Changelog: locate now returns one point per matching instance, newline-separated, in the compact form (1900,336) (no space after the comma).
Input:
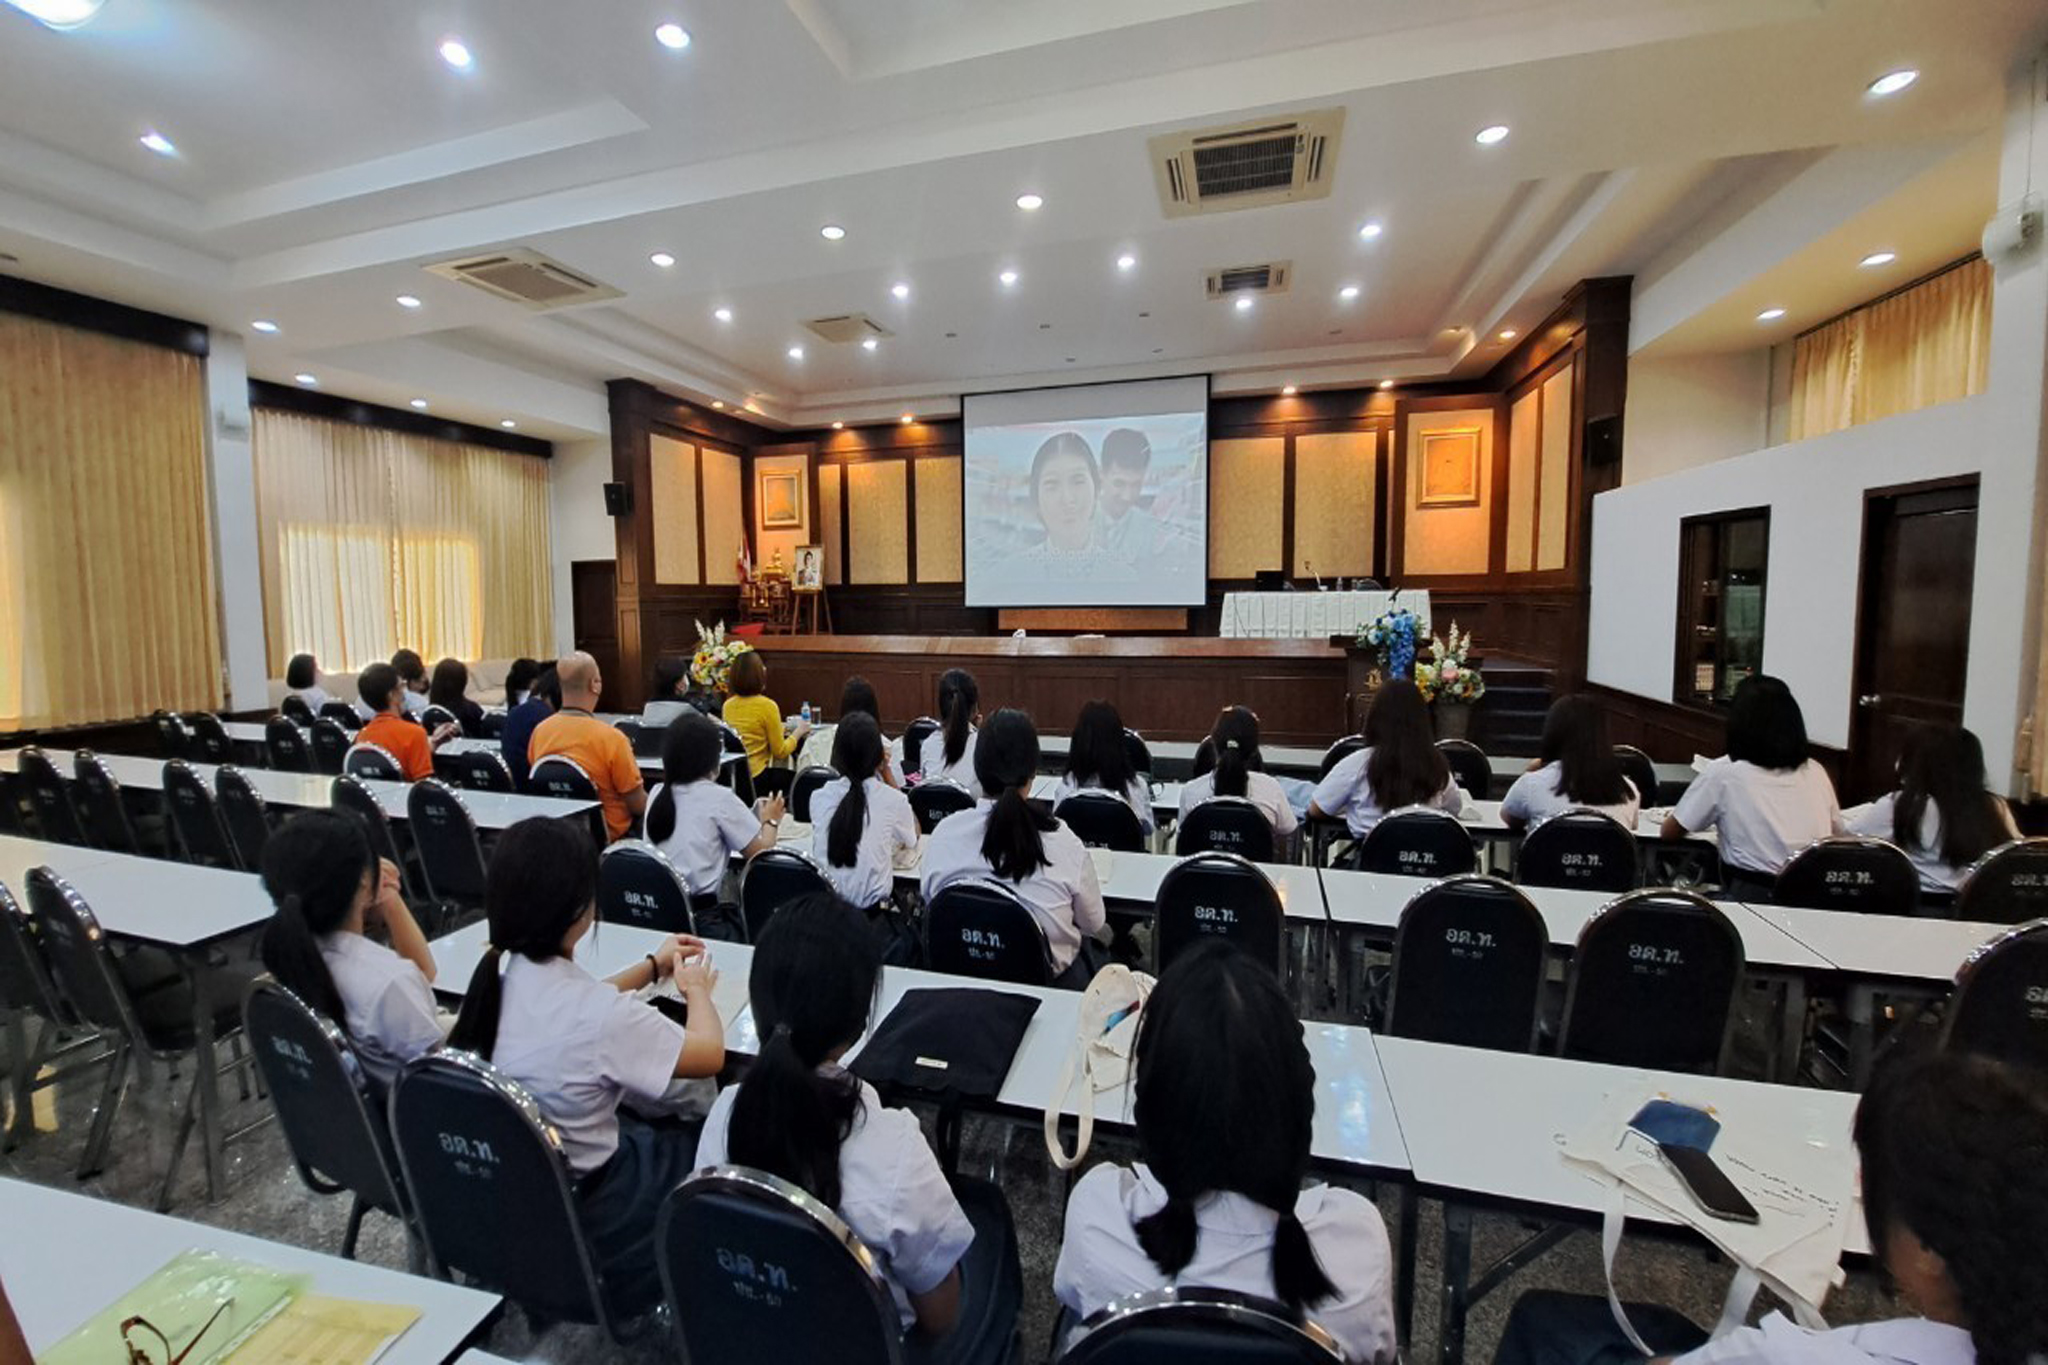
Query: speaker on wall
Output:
(618,499)
(1603,440)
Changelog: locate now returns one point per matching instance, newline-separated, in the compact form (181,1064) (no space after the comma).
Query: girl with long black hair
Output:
(1767,799)
(583,1047)
(1237,769)
(449,690)
(1575,769)
(799,1116)
(859,821)
(696,821)
(1400,765)
(1005,838)
(1217,1199)
(1098,759)
(1941,814)
(949,754)
(330,890)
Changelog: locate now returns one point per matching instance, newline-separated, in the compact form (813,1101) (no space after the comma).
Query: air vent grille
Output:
(1248,166)
(847,327)
(1269,278)
(526,278)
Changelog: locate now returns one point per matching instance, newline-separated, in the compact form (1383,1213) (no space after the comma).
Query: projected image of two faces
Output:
(1109,496)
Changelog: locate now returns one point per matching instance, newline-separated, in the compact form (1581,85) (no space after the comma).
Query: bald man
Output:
(601,750)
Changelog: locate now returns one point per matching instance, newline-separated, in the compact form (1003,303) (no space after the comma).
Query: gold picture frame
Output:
(781,493)
(1450,468)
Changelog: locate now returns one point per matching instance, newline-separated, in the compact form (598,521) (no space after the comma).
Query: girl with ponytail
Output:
(799,1116)
(1098,759)
(859,821)
(583,1047)
(949,754)
(1005,838)
(329,891)
(1240,771)
(1217,1201)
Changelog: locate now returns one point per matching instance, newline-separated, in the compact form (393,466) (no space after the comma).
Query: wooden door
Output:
(1913,623)
(593,587)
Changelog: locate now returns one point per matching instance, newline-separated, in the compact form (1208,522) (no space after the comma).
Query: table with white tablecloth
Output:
(1312,615)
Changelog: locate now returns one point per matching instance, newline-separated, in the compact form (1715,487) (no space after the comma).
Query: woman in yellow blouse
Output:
(759,722)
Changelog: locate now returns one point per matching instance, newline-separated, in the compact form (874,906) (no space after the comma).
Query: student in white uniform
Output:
(1005,838)
(1941,814)
(583,1047)
(949,754)
(1400,765)
(302,676)
(800,1116)
(1219,1203)
(330,890)
(1575,769)
(1767,799)
(1098,760)
(698,823)
(1956,1203)
(858,694)
(1240,771)
(859,822)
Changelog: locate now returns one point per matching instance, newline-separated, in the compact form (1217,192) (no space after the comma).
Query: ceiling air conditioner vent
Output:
(848,327)
(1277,161)
(1270,278)
(525,277)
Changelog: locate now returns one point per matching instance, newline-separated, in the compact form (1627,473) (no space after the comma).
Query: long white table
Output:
(67,1256)
(1313,615)
(605,950)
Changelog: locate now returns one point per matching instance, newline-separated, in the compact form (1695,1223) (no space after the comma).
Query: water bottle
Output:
(807,713)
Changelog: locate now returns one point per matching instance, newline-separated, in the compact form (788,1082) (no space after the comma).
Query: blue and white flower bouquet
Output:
(1394,635)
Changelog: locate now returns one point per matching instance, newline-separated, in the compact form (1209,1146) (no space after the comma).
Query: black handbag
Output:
(956,1041)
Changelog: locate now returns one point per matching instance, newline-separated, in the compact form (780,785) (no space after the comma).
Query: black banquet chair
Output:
(1417,841)
(342,714)
(979,927)
(243,812)
(1469,766)
(210,742)
(294,709)
(172,734)
(1139,752)
(49,798)
(2008,885)
(1218,895)
(330,743)
(1581,850)
(1225,824)
(96,795)
(638,885)
(349,794)
(772,879)
(434,717)
(372,763)
(286,744)
(1198,1327)
(564,779)
(1997,1009)
(1850,872)
(482,770)
(445,837)
(195,815)
(1637,768)
(1470,955)
(932,802)
(1102,819)
(806,785)
(1652,984)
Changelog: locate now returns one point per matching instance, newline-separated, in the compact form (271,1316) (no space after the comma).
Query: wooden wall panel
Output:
(1553,516)
(723,523)
(1448,539)
(1336,477)
(877,499)
(1247,481)
(673,471)
(1525,434)
(828,524)
(938,520)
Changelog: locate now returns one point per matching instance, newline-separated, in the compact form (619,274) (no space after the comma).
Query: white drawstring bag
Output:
(1108,1031)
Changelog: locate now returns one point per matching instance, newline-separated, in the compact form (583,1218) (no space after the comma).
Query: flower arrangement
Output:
(1393,634)
(712,663)
(1446,675)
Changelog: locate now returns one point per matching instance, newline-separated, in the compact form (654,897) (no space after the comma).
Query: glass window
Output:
(1721,561)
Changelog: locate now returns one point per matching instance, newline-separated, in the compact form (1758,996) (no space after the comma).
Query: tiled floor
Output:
(264,1196)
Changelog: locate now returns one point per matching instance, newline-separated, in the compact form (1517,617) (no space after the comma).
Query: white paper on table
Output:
(1105,863)
(909,859)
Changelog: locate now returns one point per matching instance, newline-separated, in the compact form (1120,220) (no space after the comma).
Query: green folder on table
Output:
(178,1300)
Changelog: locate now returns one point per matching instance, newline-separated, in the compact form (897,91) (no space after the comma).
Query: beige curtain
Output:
(374,540)
(107,602)
(1924,345)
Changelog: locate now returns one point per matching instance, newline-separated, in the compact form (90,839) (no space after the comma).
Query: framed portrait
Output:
(809,575)
(782,499)
(1450,468)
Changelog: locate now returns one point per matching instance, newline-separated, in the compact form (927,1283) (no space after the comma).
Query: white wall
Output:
(581,530)
(238,563)
(1691,410)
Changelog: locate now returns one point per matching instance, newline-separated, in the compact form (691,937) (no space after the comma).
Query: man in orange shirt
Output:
(602,751)
(405,740)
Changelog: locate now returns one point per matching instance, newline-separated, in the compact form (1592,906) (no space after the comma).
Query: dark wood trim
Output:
(89,314)
(1288,482)
(335,408)
(703,553)
(910,523)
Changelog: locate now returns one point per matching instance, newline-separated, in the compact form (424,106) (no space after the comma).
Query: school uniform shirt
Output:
(1535,797)
(581,1046)
(1777,1340)
(391,1015)
(1874,820)
(1764,816)
(712,824)
(1064,895)
(1345,794)
(1137,796)
(1100,1259)
(892,1194)
(315,696)
(932,765)
(891,825)
(404,741)
(1261,789)
(602,751)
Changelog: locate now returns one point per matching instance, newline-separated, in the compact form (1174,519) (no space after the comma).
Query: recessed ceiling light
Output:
(158,143)
(407,301)
(900,290)
(1892,82)
(1244,303)
(264,325)
(1370,230)
(662,259)
(1008,277)
(1880,258)
(832,232)
(1386,383)
(869,343)
(59,14)
(1288,390)
(1349,291)
(1770,315)
(908,418)
(1492,133)
(796,353)
(722,314)
(1508,334)
(672,36)
(307,379)
(718,403)
(508,424)
(1030,202)
(456,53)
(1127,262)
(839,426)
(420,403)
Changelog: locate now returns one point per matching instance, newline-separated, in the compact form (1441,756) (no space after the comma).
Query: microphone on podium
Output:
(1310,565)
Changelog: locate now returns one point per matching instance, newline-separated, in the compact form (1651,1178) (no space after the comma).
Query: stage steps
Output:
(1509,719)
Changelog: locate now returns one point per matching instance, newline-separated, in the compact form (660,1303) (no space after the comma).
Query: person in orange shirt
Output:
(405,740)
(602,751)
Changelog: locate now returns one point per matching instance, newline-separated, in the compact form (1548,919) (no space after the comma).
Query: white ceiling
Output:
(1721,150)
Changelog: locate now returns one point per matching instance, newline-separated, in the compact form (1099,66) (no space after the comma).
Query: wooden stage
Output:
(1170,687)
